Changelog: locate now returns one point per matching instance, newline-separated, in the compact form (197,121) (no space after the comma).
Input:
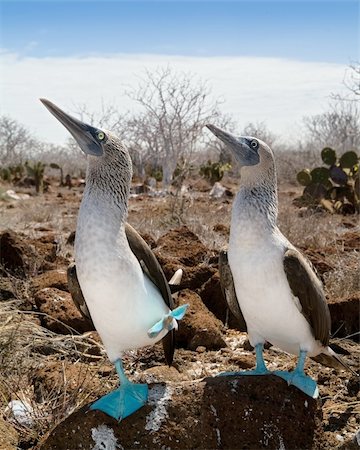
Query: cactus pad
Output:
(320,175)
(304,177)
(338,176)
(328,155)
(348,160)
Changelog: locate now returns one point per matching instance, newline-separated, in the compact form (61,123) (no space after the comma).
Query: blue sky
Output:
(306,30)
(269,61)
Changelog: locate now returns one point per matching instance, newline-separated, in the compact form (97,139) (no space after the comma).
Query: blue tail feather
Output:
(167,321)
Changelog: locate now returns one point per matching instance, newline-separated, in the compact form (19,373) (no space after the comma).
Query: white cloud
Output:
(277,91)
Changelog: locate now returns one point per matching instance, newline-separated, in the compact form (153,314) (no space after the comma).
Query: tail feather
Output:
(331,359)
(176,278)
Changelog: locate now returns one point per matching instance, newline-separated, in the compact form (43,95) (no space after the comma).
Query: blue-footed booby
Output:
(276,290)
(121,284)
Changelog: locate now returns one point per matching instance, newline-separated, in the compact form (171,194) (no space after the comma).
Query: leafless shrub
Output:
(176,107)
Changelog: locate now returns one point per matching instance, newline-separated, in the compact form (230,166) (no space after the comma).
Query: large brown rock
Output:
(22,256)
(53,278)
(182,249)
(199,327)
(215,413)
(17,256)
(59,310)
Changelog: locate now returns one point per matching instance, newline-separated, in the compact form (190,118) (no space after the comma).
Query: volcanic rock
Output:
(199,327)
(59,310)
(182,249)
(52,278)
(215,413)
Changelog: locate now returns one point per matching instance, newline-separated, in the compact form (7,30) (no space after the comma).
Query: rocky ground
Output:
(53,363)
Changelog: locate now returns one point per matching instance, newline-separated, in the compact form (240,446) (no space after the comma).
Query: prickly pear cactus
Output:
(214,171)
(336,187)
(36,171)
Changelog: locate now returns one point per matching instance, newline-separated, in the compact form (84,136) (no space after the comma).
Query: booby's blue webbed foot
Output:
(125,400)
(168,321)
(298,378)
(260,368)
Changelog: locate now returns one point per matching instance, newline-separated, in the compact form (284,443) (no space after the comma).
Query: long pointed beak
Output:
(224,136)
(238,145)
(84,134)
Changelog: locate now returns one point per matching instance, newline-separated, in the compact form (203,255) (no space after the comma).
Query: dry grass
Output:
(26,349)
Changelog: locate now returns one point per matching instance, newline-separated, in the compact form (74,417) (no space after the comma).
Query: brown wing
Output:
(77,295)
(153,270)
(228,289)
(306,286)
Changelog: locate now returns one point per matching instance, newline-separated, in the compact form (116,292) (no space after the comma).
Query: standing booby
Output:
(128,299)
(278,293)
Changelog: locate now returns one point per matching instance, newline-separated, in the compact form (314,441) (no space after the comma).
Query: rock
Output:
(17,256)
(12,195)
(182,249)
(52,278)
(345,313)
(7,289)
(220,191)
(9,437)
(161,374)
(183,244)
(215,413)
(199,327)
(60,311)
(66,380)
(22,256)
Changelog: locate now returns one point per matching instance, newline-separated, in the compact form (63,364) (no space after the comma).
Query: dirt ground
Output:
(57,368)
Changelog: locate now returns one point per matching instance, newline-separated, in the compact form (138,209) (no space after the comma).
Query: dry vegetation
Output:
(57,373)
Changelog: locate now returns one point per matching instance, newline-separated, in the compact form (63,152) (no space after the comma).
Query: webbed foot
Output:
(298,378)
(301,381)
(122,402)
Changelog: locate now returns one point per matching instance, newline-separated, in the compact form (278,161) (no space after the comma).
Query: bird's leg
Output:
(260,368)
(298,378)
(125,400)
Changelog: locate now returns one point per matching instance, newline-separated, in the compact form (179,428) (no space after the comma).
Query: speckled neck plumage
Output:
(257,196)
(108,179)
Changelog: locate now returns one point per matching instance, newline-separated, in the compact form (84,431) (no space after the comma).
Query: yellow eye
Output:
(101,136)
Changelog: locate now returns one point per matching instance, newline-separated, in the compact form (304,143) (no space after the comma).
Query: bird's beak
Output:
(84,135)
(238,145)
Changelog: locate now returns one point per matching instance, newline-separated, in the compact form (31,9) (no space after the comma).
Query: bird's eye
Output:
(254,144)
(100,135)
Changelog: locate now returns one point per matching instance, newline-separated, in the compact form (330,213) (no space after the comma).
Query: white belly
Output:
(270,310)
(123,303)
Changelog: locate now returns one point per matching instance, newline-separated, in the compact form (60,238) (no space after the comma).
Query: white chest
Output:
(270,310)
(122,302)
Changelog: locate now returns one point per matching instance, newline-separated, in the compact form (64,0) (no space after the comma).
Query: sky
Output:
(269,61)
